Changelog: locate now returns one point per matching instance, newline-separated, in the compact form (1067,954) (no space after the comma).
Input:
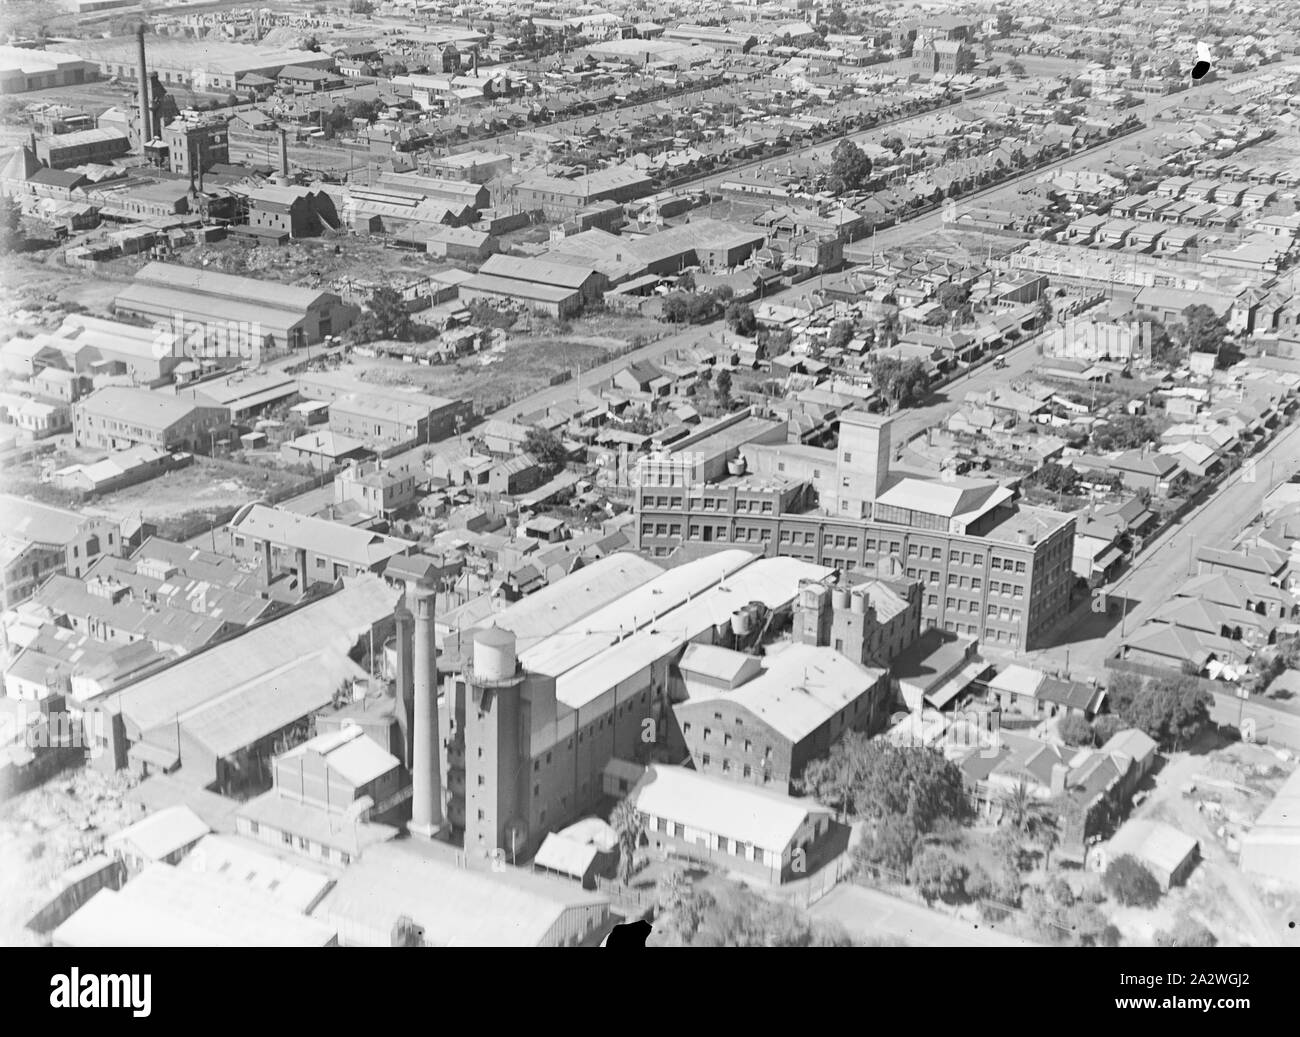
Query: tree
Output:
(1202,330)
(965,60)
(741,319)
(1165,349)
(938,875)
(1128,881)
(361,6)
(722,387)
(850,168)
(1124,432)
(890,844)
(892,143)
(1005,23)
(1078,88)
(1074,730)
(1058,478)
(952,297)
(546,447)
(1172,710)
(629,826)
(1016,68)
(1187,932)
(840,335)
(11,231)
(744,919)
(1106,727)
(864,778)
(391,318)
(900,383)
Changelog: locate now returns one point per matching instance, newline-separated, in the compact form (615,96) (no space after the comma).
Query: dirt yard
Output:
(186,494)
(49,829)
(39,284)
(519,363)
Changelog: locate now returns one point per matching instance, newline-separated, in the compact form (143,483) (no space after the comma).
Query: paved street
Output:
(1085,642)
(868,913)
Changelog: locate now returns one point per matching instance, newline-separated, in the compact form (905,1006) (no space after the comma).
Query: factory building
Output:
(314,550)
(253,315)
(990,567)
(529,735)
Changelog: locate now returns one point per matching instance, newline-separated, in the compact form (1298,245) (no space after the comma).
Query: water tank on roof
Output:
(494,654)
(737,465)
(858,604)
(840,597)
(741,622)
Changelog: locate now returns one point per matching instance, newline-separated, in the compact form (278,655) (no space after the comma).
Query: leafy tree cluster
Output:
(1058,478)
(1172,710)
(1129,881)
(1186,933)
(1203,331)
(1124,432)
(742,918)
(904,794)
(901,383)
(386,317)
(850,168)
(685,306)
(546,447)
(740,318)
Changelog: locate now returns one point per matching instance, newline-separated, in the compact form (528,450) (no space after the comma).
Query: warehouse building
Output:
(314,550)
(201,65)
(218,714)
(448,904)
(553,302)
(257,314)
(761,721)
(590,690)
(100,145)
(392,420)
(93,346)
(25,68)
(562,197)
(118,417)
(760,834)
(166,906)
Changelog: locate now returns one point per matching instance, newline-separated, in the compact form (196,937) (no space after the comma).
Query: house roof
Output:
(161,834)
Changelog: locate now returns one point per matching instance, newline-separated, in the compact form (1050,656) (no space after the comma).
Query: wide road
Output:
(871,914)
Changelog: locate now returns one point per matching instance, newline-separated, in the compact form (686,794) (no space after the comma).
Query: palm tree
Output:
(629,826)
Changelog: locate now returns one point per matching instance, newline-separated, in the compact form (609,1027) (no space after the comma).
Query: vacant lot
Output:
(518,364)
(189,495)
(40,284)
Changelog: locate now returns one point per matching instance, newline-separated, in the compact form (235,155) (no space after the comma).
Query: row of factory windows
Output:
(974,583)
(733,846)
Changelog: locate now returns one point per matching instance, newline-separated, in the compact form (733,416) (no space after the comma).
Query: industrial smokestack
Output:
(284,154)
(426,774)
(142,77)
(405,682)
